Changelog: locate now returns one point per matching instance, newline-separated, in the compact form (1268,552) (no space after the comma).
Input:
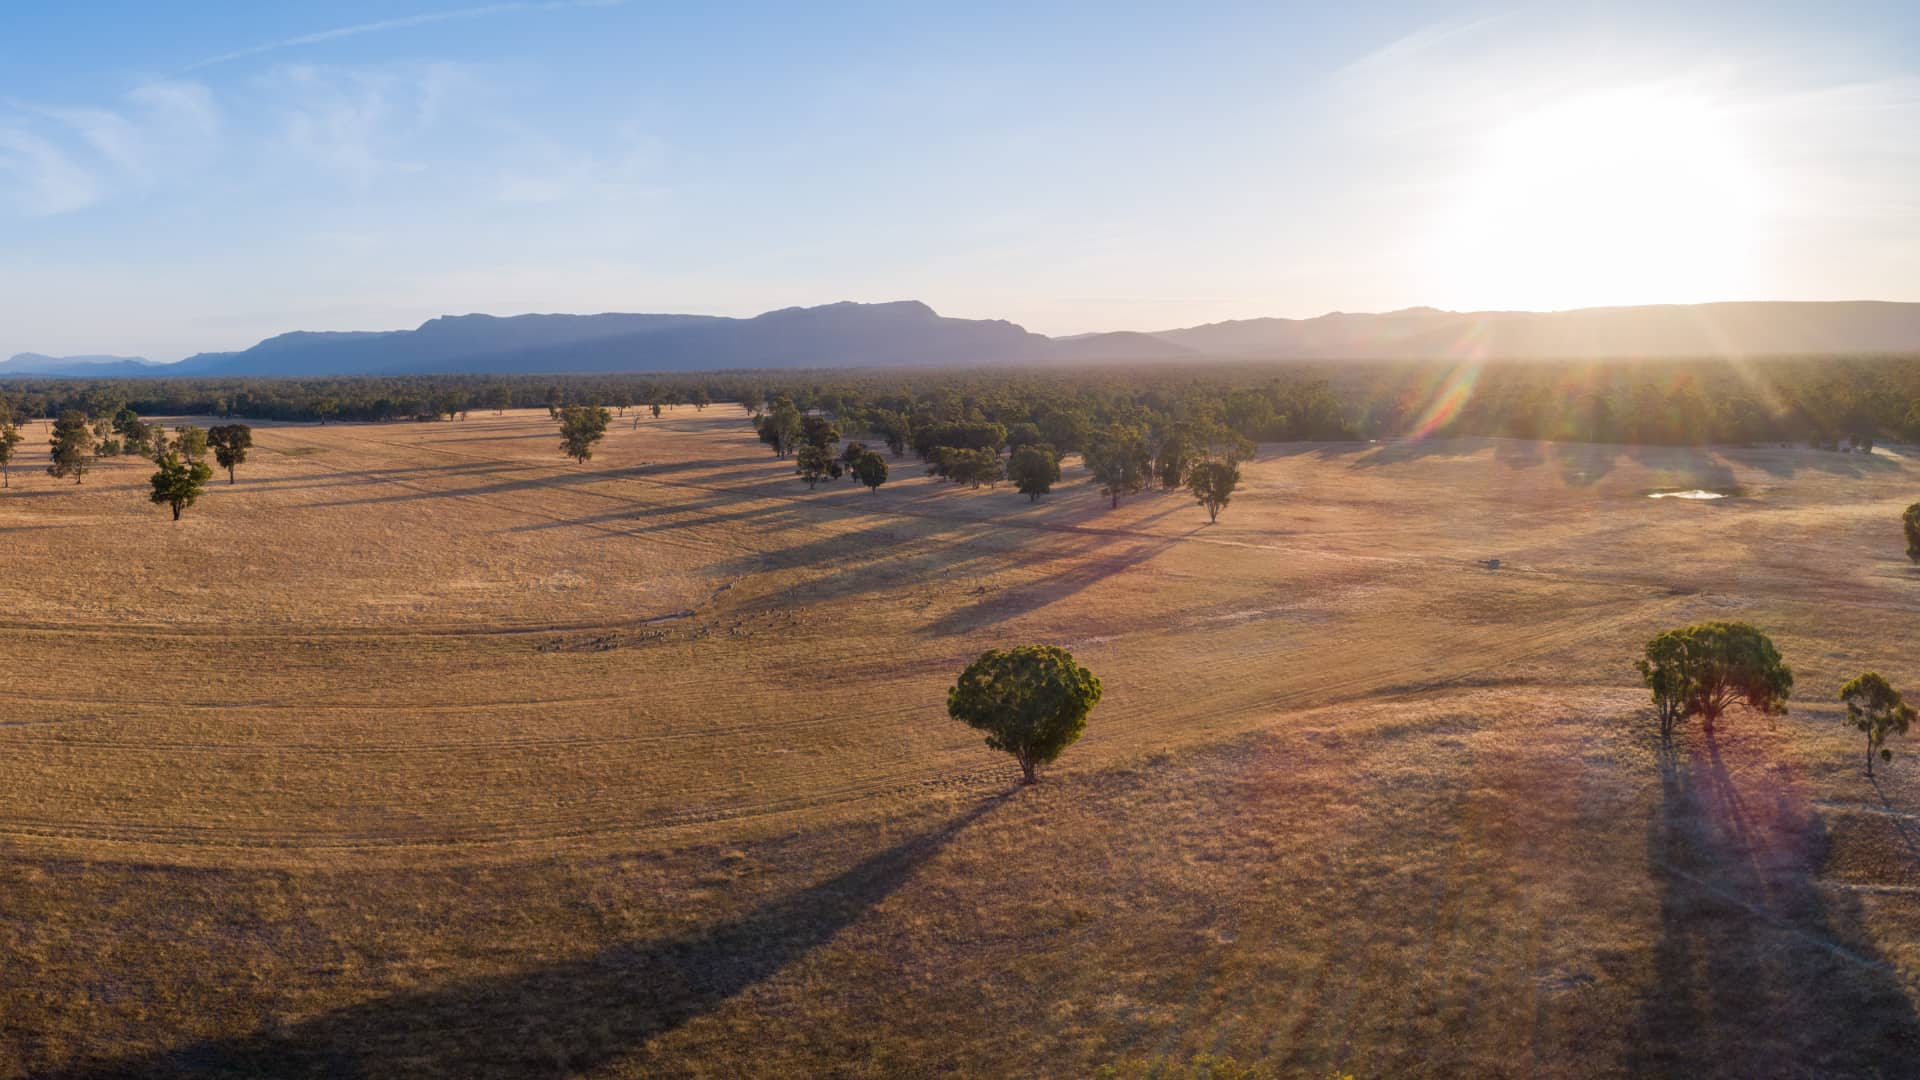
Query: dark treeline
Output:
(1817,400)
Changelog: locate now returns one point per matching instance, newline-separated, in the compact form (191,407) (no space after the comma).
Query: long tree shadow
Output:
(1898,820)
(1759,972)
(1798,459)
(562,1019)
(1086,565)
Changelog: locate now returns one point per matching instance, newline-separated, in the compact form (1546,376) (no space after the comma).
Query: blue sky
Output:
(199,178)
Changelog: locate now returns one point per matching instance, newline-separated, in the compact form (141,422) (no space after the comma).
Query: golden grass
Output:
(423,750)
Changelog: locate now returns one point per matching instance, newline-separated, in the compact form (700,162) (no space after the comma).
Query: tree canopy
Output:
(1213,483)
(190,441)
(1877,710)
(230,443)
(180,482)
(871,470)
(580,427)
(1034,470)
(1119,461)
(1032,701)
(71,446)
(9,438)
(973,468)
(816,463)
(1704,669)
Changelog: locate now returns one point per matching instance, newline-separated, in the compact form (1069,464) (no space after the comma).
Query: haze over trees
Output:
(1705,669)
(1877,710)
(1812,401)
(1032,701)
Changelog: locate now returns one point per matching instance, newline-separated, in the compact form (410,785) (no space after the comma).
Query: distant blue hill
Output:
(909,333)
(27,363)
(835,335)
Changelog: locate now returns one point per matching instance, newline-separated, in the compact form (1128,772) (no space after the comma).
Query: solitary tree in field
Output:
(850,454)
(1032,701)
(701,399)
(1878,710)
(190,441)
(9,438)
(179,482)
(871,470)
(1034,470)
(1911,519)
(1705,669)
(230,443)
(1119,462)
(1212,483)
(580,427)
(816,463)
(553,399)
(501,398)
(72,446)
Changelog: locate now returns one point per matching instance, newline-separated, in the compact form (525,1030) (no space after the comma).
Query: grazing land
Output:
(422,750)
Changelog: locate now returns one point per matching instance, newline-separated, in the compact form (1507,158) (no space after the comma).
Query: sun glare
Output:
(1626,197)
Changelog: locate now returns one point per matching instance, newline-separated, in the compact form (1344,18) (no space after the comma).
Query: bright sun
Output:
(1619,198)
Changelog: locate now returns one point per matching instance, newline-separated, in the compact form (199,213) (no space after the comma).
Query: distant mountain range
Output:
(910,333)
(27,363)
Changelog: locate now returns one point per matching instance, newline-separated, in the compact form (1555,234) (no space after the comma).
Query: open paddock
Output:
(423,750)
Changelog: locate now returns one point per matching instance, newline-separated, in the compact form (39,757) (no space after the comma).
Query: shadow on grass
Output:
(561,1019)
(1825,462)
(1087,564)
(1759,972)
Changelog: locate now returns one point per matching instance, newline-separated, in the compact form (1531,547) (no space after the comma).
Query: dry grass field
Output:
(424,751)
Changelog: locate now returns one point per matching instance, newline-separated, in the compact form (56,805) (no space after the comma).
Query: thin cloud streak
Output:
(406,22)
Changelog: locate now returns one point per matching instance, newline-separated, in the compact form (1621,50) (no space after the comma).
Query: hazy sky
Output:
(171,182)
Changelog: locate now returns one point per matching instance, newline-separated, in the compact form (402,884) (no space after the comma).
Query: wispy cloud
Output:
(65,157)
(366,123)
(544,171)
(41,178)
(405,22)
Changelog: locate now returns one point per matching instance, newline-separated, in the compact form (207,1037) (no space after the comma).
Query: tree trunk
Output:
(1116,501)
(1026,770)
(176,511)
(1869,755)
(229,474)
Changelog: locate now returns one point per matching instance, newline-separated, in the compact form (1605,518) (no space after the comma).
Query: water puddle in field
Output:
(1691,493)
